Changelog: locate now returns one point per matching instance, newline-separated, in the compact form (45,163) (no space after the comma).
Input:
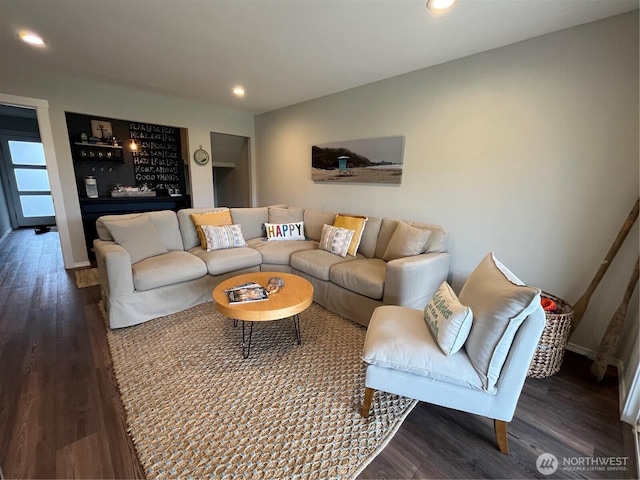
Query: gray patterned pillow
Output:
(336,240)
(224,236)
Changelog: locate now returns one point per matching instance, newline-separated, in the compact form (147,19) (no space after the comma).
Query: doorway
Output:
(231,170)
(25,180)
(43,126)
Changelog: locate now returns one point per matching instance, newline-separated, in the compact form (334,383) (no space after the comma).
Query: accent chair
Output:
(470,354)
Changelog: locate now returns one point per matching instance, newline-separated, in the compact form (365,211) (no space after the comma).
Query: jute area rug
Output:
(87,277)
(196,408)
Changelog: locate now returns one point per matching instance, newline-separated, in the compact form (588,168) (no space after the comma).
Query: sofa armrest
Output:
(114,266)
(412,281)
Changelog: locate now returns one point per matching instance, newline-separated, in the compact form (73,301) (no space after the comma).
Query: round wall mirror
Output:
(201,156)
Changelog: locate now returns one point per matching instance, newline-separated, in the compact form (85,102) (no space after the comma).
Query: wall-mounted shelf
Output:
(101,145)
(95,152)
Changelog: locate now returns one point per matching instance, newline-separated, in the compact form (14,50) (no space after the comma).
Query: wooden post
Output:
(609,342)
(581,305)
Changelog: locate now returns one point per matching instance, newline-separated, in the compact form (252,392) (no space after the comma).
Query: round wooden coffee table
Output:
(294,297)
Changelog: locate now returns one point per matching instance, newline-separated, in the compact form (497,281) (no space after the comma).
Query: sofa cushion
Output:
(314,221)
(284,231)
(355,223)
(336,240)
(228,260)
(406,241)
(448,320)
(316,262)
(397,338)
(370,237)
(279,253)
(138,236)
(165,222)
(251,220)
(435,243)
(286,214)
(364,276)
(167,269)
(217,218)
(500,302)
(187,229)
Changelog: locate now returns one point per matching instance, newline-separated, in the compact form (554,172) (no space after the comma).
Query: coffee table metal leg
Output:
(245,351)
(296,324)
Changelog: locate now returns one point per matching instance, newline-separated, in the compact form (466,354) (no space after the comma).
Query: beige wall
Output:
(66,93)
(530,150)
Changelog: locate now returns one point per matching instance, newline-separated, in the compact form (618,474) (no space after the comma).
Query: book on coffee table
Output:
(247,292)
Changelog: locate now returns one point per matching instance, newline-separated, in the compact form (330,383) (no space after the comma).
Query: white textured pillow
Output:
(500,302)
(335,239)
(448,320)
(285,231)
(138,236)
(225,236)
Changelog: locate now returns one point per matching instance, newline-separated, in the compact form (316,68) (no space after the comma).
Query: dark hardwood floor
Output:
(61,414)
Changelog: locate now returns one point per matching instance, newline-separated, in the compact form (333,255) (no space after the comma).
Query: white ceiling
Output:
(282,51)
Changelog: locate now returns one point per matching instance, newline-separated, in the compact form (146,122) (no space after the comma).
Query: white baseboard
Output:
(1,239)
(587,352)
(86,263)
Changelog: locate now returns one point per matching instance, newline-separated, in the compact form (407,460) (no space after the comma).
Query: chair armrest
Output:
(114,266)
(412,281)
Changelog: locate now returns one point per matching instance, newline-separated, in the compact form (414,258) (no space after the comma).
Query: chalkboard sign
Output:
(157,163)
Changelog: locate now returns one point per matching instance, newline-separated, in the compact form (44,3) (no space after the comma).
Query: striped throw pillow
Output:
(225,236)
(335,239)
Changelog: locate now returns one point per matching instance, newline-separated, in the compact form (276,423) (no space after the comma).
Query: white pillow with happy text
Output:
(285,231)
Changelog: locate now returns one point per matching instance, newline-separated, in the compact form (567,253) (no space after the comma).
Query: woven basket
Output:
(550,351)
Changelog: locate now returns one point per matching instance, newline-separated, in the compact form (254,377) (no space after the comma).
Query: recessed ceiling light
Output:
(31,39)
(238,91)
(440,5)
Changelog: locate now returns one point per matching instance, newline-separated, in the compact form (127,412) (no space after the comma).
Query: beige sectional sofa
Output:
(182,274)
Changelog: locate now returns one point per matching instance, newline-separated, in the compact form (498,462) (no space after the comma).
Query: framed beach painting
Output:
(371,160)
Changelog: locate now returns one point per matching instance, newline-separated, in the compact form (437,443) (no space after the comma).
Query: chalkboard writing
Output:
(156,163)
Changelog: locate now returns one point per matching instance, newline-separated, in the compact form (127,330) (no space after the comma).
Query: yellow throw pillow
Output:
(351,222)
(217,218)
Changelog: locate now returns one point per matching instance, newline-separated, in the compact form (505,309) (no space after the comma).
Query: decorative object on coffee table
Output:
(274,285)
(548,356)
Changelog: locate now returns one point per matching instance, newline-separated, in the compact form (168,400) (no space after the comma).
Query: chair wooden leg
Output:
(501,435)
(368,399)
